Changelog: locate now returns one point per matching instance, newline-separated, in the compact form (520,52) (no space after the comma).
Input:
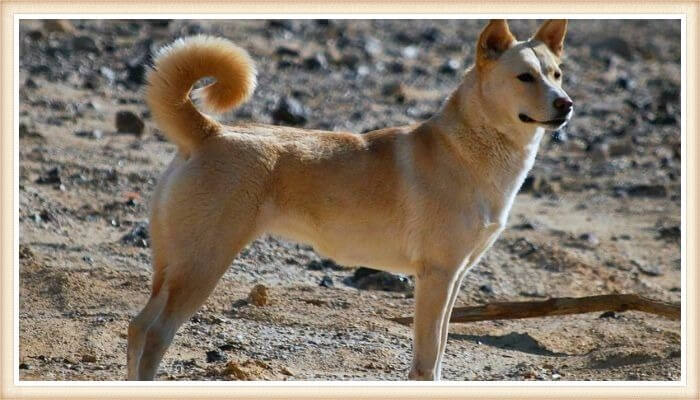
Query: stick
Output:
(560,306)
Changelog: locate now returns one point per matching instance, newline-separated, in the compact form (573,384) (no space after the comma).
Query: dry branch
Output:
(560,306)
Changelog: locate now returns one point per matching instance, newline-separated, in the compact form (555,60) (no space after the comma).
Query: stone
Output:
(85,44)
(215,356)
(290,111)
(138,236)
(128,122)
(371,279)
(52,176)
(326,282)
(258,296)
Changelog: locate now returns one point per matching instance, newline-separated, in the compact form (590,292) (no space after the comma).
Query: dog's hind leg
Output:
(191,258)
(187,284)
(140,324)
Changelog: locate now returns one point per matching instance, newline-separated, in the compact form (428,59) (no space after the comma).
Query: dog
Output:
(427,199)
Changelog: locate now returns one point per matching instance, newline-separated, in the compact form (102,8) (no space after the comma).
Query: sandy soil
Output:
(599,214)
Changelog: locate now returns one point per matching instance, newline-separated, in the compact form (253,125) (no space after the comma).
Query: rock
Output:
(25,253)
(52,176)
(316,62)
(108,73)
(611,45)
(397,90)
(620,148)
(609,314)
(538,291)
(290,111)
(647,269)
(525,226)
(410,52)
(625,83)
(527,184)
(44,216)
(373,46)
(231,346)
(136,71)
(280,24)
(286,371)
(90,134)
(91,81)
(395,67)
(350,60)
(430,35)
(58,25)
(404,38)
(89,358)
(27,131)
(589,239)
(363,272)
(24,366)
(138,236)
(671,233)
(283,51)
(323,264)
(326,281)
(522,247)
(600,152)
(35,35)
(40,69)
(371,279)
(486,288)
(560,136)
(128,122)
(232,369)
(451,67)
(539,186)
(85,44)
(30,84)
(656,191)
(258,296)
(215,356)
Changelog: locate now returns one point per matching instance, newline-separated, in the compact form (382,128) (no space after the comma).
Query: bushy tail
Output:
(177,67)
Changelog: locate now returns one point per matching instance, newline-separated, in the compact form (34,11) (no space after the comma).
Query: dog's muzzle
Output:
(552,123)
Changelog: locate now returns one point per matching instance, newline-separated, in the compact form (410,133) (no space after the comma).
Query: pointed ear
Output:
(552,33)
(494,40)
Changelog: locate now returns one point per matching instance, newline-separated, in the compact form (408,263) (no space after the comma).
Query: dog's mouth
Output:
(552,122)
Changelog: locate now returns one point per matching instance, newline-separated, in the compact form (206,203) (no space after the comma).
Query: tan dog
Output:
(426,199)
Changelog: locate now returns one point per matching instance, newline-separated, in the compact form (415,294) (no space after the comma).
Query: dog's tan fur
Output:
(426,199)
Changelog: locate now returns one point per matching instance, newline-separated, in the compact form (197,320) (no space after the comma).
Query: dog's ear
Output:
(552,34)
(494,40)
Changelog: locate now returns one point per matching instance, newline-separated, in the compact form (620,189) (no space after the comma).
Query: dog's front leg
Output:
(433,293)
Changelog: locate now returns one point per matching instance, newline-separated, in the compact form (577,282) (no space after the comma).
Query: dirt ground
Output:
(599,214)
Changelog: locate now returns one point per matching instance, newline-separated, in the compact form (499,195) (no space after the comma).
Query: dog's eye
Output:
(557,75)
(526,77)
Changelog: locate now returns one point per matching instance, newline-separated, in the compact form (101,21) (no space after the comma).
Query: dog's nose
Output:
(563,104)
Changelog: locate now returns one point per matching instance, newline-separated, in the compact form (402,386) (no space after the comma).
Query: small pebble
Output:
(128,122)
(258,295)
(326,281)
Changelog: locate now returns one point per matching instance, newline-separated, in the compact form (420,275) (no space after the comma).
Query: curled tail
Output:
(177,67)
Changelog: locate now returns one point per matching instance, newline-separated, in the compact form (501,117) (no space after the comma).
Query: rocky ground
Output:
(600,212)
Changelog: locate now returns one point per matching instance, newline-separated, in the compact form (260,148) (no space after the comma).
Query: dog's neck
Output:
(503,153)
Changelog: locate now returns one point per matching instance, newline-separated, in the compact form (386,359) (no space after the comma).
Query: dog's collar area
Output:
(552,122)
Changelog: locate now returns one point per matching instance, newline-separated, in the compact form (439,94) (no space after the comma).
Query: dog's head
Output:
(521,81)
